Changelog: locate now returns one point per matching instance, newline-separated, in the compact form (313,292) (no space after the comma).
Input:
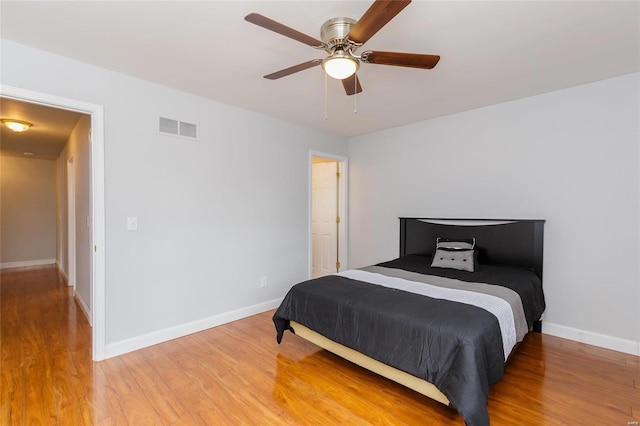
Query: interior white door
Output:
(324,211)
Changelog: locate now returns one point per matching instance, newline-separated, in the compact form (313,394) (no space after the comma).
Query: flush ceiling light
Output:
(340,65)
(16,125)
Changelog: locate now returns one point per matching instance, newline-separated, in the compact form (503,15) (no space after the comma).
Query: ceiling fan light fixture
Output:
(340,65)
(16,125)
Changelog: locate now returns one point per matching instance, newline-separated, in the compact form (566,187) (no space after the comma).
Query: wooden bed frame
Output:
(498,241)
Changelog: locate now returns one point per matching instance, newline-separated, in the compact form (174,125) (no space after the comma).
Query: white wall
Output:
(570,157)
(27,212)
(78,147)
(214,215)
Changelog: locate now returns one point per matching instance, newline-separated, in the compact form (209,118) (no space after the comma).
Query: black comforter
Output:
(456,346)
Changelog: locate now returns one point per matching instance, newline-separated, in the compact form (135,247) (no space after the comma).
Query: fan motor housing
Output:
(334,32)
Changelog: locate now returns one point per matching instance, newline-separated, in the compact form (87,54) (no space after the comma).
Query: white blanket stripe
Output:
(497,306)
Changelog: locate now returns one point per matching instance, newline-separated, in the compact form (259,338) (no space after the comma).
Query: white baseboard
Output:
(85,309)
(23,263)
(591,338)
(150,339)
(62,272)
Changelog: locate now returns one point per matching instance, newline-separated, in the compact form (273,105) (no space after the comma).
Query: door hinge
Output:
(95,248)
(337,219)
(338,175)
(337,266)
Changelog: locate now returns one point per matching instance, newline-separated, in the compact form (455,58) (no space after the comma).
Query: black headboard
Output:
(509,242)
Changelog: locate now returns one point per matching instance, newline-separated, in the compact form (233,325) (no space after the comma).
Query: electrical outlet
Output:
(263,281)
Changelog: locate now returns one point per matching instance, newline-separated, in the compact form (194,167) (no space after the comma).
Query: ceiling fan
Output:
(341,37)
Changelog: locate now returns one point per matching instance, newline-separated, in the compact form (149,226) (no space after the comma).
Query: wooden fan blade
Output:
(296,68)
(376,17)
(352,85)
(270,24)
(411,60)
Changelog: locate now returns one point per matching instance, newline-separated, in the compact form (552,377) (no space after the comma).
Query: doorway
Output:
(327,214)
(96,216)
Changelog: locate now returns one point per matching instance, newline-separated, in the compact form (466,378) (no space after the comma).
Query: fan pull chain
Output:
(355,94)
(326,114)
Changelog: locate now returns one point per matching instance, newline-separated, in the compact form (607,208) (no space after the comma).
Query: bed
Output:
(442,319)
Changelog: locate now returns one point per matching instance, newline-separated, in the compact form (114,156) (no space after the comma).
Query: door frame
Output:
(71,224)
(97,210)
(343,237)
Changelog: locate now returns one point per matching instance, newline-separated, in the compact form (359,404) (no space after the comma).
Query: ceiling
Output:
(45,139)
(492,52)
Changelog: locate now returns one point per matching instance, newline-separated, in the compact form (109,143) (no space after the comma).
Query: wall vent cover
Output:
(168,126)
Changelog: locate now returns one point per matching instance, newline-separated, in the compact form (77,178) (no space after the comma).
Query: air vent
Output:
(168,126)
(188,130)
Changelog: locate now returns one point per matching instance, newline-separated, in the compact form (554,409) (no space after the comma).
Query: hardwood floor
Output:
(237,374)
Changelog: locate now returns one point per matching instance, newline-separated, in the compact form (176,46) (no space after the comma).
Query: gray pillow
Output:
(462,259)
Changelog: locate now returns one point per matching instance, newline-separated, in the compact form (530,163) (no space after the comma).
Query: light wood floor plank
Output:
(237,374)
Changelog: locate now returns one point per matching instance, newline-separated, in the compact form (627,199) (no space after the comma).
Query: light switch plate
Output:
(132,223)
